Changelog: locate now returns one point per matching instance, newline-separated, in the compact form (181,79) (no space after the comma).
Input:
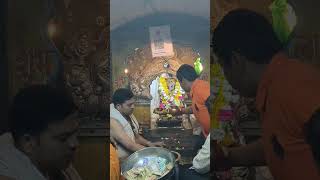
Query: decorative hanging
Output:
(166,65)
(284,19)
(198,66)
(219,101)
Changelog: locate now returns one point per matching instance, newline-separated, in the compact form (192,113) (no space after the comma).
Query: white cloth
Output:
(115,114)
(6,139)
(201,162)
(155,101)
(14,163)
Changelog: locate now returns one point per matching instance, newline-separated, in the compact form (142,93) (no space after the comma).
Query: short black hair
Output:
(247,33)
(187,72)
(121,95)
(36,106)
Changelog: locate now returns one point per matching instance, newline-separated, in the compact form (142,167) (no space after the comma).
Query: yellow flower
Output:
(227,140)
(219,102)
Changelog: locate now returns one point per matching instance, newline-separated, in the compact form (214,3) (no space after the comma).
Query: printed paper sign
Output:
(161,43)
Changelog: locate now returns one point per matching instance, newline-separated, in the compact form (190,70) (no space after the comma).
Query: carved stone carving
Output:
(220,8)
(143,69)
(84,44)
(81,38)
(87,72)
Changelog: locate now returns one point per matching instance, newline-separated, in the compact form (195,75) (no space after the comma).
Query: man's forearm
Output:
(135,147)
(249,155)
(142,141)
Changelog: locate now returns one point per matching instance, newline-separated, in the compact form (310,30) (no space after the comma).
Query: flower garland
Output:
(219,102)
(169,99)
(221,112)
(223,129)
(177,94)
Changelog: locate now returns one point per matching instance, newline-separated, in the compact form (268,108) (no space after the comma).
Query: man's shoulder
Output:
(114,122)
(9,163)
(202,82)
(6,138)
(298,75)
(17,166)
(201,86)
(295,67)
(298,85)
(201,90)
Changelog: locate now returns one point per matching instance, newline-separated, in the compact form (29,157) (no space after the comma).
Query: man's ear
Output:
(118,106)
(28,143)
(185,83)
(239,61)
(236,58)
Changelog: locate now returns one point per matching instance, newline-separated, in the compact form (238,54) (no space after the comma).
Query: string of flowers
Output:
(169,98)
(219,102)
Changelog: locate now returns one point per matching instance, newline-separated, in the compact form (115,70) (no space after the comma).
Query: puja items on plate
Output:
(160,111)
(150,169)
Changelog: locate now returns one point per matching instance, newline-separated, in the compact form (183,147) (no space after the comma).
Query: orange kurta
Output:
(288,95)
(200,91)
(114,164)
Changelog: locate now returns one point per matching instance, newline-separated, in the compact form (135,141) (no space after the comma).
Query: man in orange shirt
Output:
(287,96)
(199,91)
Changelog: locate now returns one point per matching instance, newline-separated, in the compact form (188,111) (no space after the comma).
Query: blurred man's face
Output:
(185,85)
(234,77)
(238,75)
(57,145)
(127,107)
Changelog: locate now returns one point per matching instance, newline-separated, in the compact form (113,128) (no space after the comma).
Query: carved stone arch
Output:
(143,69)
(150,7)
